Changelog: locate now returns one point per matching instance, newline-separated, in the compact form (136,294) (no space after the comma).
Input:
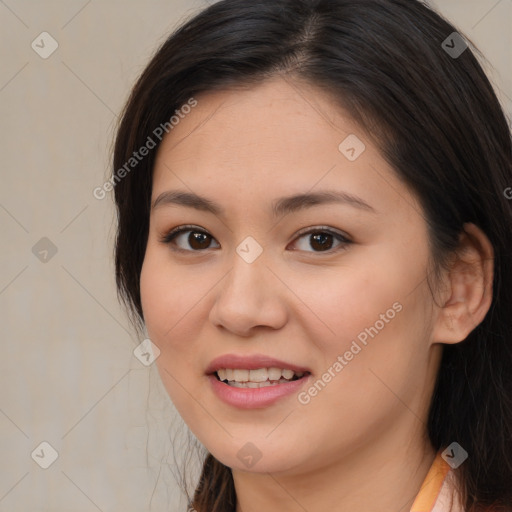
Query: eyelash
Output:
(171,235)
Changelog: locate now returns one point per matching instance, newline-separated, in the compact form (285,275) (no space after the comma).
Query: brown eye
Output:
(319,239)
(323,240)
(197,240)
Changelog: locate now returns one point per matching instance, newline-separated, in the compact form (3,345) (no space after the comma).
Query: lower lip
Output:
(253,398)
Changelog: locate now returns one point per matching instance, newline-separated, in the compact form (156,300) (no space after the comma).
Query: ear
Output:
(467,287)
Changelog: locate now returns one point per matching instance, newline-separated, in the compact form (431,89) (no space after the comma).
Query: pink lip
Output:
(251,363)
(253,398)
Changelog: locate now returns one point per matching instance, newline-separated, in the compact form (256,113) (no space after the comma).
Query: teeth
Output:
(242,375)
(260,375)
(288,374)
(274,373)
(256,378)
(236,384)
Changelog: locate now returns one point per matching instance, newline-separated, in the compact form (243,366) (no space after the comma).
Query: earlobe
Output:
(469,282)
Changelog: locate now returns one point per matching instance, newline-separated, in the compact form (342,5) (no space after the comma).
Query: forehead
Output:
(276,136)
(271,119)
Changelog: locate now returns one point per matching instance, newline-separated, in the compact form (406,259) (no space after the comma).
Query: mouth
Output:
(259,377)
(255,381)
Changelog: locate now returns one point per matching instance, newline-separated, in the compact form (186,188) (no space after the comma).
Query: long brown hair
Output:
(437,121)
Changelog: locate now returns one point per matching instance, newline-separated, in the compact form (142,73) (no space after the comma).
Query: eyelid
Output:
(322,229)
(342,237)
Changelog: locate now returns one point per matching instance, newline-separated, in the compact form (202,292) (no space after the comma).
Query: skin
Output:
(360,443)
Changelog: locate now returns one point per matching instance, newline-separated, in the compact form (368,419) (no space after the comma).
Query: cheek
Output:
(342,305)
(377,293)
(362,386)
(162,308)
(369,323)
(165,298)
(168,306)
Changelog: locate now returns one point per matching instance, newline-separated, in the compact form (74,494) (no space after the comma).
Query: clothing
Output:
(437,493)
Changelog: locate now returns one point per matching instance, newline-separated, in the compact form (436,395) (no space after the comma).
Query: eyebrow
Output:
(281,206)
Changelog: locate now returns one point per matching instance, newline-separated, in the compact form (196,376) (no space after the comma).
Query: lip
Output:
(254,398)
(252,362)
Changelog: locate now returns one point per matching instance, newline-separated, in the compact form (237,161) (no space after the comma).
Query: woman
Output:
(316,235)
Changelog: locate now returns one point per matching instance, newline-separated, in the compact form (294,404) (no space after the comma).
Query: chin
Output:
(258,456)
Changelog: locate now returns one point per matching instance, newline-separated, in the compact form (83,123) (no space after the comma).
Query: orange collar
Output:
(431,486)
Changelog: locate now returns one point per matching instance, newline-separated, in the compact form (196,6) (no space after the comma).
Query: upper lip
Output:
(251,362)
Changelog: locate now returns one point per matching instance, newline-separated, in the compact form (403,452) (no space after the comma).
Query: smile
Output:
(258,378)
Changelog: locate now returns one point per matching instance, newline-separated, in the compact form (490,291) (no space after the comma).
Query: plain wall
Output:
(67,372)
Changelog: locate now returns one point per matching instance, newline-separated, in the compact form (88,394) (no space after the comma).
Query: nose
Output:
(250,296)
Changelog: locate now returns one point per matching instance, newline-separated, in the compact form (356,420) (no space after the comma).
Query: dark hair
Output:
(436,120)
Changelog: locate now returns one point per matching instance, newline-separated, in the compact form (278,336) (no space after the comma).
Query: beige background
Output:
(68,375)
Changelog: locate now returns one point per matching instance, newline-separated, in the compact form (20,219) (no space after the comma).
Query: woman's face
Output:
(333,287)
